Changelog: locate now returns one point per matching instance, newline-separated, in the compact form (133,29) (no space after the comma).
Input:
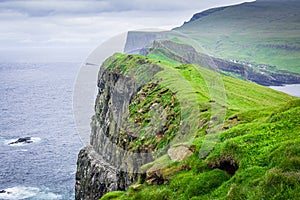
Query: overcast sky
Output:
(68,30)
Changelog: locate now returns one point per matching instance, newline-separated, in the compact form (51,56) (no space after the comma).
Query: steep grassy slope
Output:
(262,32)
(244,137)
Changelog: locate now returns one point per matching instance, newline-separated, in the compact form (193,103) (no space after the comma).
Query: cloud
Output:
(40,8)
(84,24)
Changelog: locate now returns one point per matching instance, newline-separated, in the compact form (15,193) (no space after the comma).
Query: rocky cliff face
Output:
(137,40)
(108,164)
(94,176)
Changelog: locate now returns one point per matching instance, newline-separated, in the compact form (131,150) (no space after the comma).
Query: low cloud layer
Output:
(30,28)
(75,7)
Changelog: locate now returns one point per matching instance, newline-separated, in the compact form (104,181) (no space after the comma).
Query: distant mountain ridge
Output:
(204,13)
(262,37)
(261,32)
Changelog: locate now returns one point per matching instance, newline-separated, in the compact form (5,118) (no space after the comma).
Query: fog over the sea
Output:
(67,30)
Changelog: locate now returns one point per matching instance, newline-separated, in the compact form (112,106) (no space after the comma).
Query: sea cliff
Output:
(160,126)
(108,163)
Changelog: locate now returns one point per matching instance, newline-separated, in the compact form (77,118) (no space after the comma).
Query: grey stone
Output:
(179,153)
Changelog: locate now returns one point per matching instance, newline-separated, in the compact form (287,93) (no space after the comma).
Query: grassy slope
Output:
(259,32)
(260,137)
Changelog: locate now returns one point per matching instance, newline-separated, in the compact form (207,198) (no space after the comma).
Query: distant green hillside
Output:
(244,137)
(183,50)
(262,32)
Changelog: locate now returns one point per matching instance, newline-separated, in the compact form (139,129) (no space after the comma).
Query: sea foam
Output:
(22,192)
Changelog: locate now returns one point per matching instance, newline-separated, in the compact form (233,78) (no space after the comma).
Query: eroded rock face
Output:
(94,176)
(107,164)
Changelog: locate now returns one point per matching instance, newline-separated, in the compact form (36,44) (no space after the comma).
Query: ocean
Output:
(293,89)
(36,102)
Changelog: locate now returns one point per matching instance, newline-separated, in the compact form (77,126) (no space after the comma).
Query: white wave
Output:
(35,139)
(19,150)
(72,173)
(22,192)
(32,140)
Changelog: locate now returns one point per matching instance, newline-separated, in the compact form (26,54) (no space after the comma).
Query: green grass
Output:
(267,153)
(245,137)
(233,75)
(252,130)
(112,195)
(258,32)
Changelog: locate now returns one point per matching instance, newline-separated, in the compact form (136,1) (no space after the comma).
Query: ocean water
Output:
(36,102)
(293,89)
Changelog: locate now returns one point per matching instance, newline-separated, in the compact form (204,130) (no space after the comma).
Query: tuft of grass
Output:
(112,195)
(278,185)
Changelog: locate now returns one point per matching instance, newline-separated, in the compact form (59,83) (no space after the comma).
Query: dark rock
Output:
(94,176)
(3,192)
(22,140)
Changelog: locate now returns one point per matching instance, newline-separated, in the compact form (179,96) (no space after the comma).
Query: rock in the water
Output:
(4,192)
(179,153)
(22,140)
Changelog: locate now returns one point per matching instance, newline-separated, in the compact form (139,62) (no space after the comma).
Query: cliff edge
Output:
(167,130)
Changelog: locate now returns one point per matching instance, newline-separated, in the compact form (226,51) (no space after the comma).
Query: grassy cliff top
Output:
(244,137)
(200,82)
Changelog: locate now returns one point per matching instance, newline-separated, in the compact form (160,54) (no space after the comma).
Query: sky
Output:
(68,30)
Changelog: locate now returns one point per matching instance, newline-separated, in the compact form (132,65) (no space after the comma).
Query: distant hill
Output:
(204,13)
(261,32)
(257,41)
(186,53)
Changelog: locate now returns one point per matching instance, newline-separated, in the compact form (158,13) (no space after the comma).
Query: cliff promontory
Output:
(167,130)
